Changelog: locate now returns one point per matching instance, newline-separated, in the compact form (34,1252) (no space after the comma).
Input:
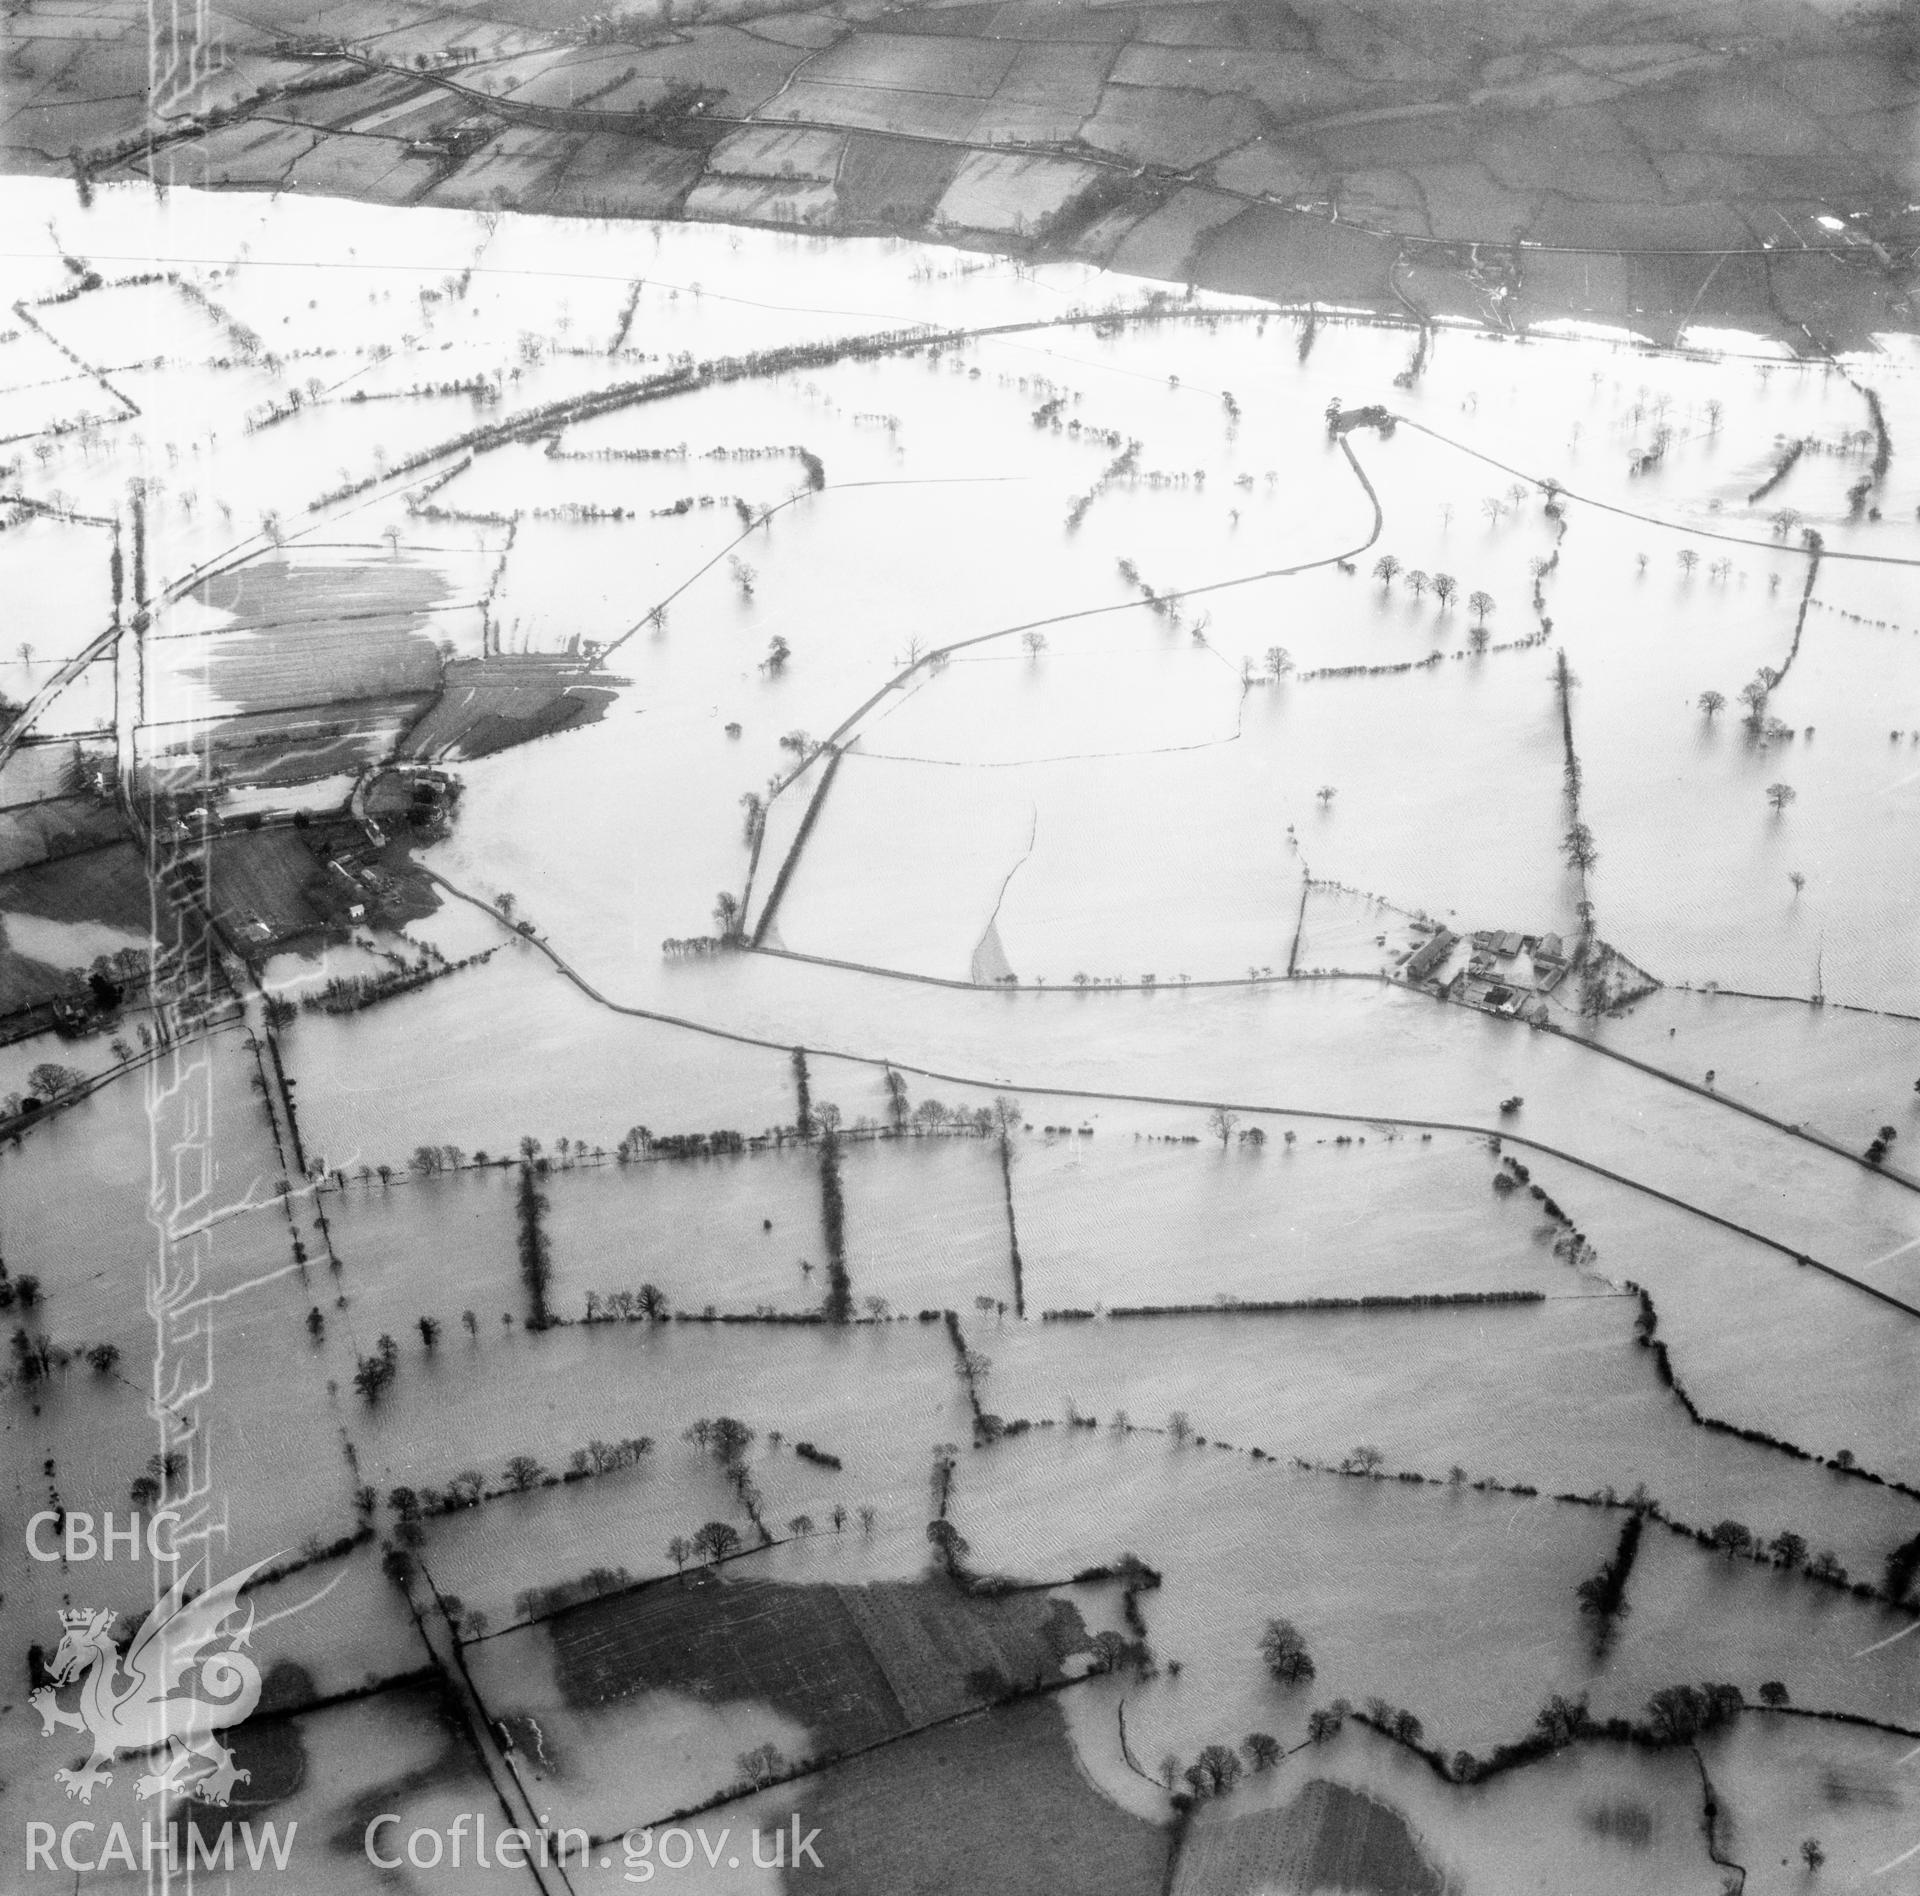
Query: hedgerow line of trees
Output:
(1603,1598)
(350,993)
(1006,1117)
(535,1248)
(1787,1551)
(838,1307)
(1841,1462)
(1577,845)
(543,419)
(1247,1306)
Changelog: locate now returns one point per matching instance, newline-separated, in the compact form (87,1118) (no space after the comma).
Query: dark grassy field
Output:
(854,1664)
(271,886)
(59,826)
(1329,1837)
(282,747)
(270,878)
(25,983)
(491,704)
(994,1805)
(107,885)
(887,181)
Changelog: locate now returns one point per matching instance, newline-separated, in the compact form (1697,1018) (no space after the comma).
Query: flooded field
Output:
(1016,958)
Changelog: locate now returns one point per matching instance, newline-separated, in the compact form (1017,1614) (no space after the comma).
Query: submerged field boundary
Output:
(1796,1000)
(1653,520)
(791,860)
(1784,1126)
(838,739)
(436,463)
(1765,1118)
(1187,1103)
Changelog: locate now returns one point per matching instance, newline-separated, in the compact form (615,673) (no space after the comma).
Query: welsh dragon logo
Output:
(133,1704)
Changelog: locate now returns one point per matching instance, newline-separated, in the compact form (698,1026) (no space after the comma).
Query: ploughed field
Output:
(841,1145)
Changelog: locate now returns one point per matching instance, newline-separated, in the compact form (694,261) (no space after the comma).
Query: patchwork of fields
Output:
(1362,154)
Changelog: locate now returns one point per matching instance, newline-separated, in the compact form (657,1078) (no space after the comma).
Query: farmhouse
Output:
(1426,959)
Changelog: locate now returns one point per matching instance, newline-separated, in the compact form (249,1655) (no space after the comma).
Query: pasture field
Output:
(994,1801)
(325,1773)
(59,576)
(40,387)
(268,886)
(375,1091)
(1473,1643)
(854,1665)
(493,704)
(122,322)
(406,1750)
(621,1763)
(694,1672)
(1162,243)
(892,182)
(106,885)
(54,827)
(1836,1071)
(477,1405)
(1695,1612)
(757,152)
(926,1222)
(428,1246)
(1358,1566)
(729,1233)
(278,752)
(913,63)
(879,108)
(1011,193)
(1347,1369)
(758,201)
(1328,1836)
(1751,1334)
(100,910)
(608,177)
(1116,1220)
(1138,122)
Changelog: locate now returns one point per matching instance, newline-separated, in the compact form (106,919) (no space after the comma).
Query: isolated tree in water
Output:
(1284,1650)
(898,1104)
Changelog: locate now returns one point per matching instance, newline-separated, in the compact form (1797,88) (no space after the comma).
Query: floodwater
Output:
(1120,796)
